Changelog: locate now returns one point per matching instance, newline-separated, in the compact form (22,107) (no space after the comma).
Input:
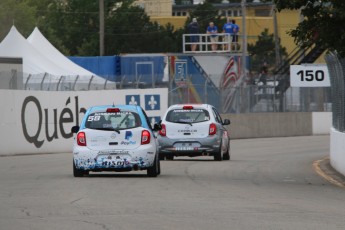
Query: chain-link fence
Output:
(336,68)
(248,97)
(48,82)
(251,98)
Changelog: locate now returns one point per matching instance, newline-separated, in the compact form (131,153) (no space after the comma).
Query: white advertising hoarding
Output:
(310,75)
(41,121)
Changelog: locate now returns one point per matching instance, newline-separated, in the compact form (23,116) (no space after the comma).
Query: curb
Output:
(325,170)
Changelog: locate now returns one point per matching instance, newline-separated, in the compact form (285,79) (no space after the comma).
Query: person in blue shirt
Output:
(193,28)
(228,28)
(213,30)
(235,30)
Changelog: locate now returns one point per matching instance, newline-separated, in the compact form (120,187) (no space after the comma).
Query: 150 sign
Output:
(309,76)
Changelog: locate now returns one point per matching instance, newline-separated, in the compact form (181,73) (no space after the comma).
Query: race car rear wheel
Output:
(170,157)
(226,155)
(78,172)
(154,170)
(219,154)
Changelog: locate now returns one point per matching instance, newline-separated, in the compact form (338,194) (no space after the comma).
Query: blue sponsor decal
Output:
(128,135)
(133,100)
(152,102)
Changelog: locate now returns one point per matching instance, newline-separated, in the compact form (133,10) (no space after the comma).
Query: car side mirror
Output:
(226,122)
(75,129)
(157,127)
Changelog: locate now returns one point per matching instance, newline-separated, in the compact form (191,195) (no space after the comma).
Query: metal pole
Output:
(276,37)
(101,27)
(244,38)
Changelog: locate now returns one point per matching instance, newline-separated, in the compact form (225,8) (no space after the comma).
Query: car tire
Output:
(170,157)
(226,156)
(161,157)
(159,167)
(78,172)
(154,170)
(219,154)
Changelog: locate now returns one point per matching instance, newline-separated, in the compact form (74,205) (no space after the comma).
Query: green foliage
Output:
(17,13)
(323,23)
(239,1)
(264,51)
(73,27)
(206,13)
(183,2)
(213,1)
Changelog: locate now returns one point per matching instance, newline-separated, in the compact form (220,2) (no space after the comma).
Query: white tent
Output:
(37,40)
(44,65)
(15,45)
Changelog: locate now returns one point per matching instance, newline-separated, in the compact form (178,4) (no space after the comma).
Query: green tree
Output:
(264,51)
(213,1)
(238,1)
(73,27)
(206,13)
(183,2)
(17,13)
(323,23)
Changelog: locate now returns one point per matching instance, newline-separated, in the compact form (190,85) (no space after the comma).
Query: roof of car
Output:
(178,106)
(103,107)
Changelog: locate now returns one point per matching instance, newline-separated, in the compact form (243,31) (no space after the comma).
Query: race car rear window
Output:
(113,120)
(188,116)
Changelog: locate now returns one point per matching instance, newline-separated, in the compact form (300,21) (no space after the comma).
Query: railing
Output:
(223,42)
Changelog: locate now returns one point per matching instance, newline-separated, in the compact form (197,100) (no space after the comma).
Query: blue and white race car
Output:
(115,138)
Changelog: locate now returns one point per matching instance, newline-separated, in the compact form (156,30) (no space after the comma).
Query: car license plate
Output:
(184,148)
(114,152)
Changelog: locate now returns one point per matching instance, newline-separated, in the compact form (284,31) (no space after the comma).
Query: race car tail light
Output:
(187,107)
(163,131)
(145,137)
(113,110)
(81,139)
(213,129)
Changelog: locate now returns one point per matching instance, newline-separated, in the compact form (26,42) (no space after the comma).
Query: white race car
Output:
(194,130)
(115,138)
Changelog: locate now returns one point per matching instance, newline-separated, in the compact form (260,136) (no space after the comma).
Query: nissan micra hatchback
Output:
(115,138)
(193,130)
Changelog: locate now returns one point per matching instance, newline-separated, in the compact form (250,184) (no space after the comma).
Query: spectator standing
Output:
(213,30)
(228,30)
(193,28)
(235,30)
(263,73)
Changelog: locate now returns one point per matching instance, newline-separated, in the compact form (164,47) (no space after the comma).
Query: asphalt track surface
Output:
(270,183)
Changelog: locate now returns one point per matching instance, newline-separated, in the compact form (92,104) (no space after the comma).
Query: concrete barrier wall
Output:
(258,125)
(337,150)
(41,121)
(322,122)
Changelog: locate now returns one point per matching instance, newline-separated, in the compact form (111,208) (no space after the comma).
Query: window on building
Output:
(262,12)
(183,2)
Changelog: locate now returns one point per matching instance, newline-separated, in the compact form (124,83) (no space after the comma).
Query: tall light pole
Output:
(101,27)
(276,37)
(244,38)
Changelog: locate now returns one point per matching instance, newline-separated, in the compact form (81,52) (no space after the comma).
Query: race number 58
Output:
(309,76)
